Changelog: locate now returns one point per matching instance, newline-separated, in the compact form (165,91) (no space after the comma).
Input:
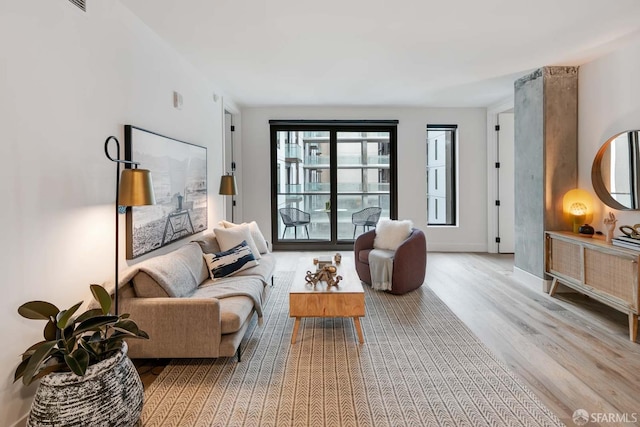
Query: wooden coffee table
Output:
(345,300)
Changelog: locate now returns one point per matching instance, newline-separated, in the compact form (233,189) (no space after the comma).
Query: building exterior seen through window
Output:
(441,174)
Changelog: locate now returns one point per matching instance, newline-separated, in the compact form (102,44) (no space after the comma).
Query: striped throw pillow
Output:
(227,263)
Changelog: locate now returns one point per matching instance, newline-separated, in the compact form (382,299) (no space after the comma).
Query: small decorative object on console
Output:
(325,274)
(610,225)
(631,231)
(322,261)
(337,258)
(586,230)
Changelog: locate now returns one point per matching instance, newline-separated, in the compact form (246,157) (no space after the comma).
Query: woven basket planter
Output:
(109,394)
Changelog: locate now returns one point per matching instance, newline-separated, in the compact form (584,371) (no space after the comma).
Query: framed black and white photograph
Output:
(179,175)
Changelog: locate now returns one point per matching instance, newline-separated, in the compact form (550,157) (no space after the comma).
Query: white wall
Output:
(68,80)
(608,103)
(470,235)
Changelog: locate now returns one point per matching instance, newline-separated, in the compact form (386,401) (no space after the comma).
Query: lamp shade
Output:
(228,185)
(136,188)
(577,201)
(578,205)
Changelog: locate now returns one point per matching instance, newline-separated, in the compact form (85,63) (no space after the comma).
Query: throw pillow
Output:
(256,234)
(227,263)
(208,243)
(390,233)
(230,237)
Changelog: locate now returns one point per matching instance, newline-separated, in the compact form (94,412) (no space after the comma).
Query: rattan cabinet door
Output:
(565,259)
(614,275)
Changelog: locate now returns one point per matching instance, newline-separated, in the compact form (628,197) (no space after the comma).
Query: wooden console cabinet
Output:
(593,267)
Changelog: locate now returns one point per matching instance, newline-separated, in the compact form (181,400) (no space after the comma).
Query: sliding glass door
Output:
(363,178)
(331,181)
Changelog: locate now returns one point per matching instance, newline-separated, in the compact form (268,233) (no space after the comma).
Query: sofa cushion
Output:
(147,287)
(177,273)
(264,270)
(208,243)
(391,233)
(230,237)
(256,234)
(233,313)
(227,263)
(235,309)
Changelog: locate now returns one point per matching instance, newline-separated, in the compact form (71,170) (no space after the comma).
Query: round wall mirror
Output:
(616,171)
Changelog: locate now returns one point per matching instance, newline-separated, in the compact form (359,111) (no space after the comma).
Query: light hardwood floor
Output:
(571,351)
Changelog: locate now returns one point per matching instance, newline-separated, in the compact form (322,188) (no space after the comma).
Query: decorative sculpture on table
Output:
(610,225)
(632,231)
(325,274)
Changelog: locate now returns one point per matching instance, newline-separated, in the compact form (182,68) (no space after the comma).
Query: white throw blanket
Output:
(381,268)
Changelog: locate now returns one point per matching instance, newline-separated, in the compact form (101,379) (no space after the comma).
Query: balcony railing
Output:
(293,151)
(343,187)
(317,160)
(293,188)
(353,160)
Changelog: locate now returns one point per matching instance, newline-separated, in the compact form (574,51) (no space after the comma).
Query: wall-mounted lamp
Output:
(133,188)
(228,188)
(577,204)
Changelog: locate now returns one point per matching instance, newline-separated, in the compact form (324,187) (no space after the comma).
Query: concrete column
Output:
(546,158)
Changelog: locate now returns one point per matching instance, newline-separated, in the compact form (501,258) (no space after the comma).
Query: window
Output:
(441,174)
(334,170)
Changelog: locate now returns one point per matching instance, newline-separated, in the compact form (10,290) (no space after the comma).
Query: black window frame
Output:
(453,174)
(333,127)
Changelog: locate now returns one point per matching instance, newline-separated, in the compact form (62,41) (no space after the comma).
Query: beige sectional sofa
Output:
(187,314)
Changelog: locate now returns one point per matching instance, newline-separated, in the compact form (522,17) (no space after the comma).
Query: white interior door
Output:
(506,189)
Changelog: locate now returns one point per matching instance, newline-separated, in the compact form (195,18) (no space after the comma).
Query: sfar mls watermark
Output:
(582,417)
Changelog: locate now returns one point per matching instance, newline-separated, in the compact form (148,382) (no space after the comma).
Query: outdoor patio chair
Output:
(295,218)
(366,218)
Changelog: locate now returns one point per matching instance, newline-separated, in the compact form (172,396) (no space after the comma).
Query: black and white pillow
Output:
(227,263)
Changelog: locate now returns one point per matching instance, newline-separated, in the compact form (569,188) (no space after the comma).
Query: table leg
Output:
(633,326)
(356,322)
(296,326)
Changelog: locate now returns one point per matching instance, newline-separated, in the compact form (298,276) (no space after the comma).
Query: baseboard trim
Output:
(531,280)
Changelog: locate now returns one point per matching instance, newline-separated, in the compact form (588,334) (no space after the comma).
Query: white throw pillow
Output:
(230,237)
(390,233)
(258,237)
(228,263)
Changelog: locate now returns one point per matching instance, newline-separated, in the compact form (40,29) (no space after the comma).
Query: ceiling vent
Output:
(80,3)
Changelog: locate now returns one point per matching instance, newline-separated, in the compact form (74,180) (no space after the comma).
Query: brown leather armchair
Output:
(409,262)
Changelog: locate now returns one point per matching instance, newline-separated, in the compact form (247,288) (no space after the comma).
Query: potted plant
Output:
(87,378)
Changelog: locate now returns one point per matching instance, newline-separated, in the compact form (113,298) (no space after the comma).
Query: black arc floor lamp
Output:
(133,188)
(228,188)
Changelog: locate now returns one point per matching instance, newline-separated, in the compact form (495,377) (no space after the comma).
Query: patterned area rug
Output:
(419,366)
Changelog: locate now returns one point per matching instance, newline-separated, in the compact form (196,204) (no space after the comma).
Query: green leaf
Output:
(102,296)
(50,331)
(127,326)
(20,369)
(92,348)
(58,367)
(65,316)
(36,361)
(95,323)
(95,337)
(28,352)
(78,361)
(39,310)
(89,314)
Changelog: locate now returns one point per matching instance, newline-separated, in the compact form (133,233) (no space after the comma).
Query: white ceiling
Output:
(445,53)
